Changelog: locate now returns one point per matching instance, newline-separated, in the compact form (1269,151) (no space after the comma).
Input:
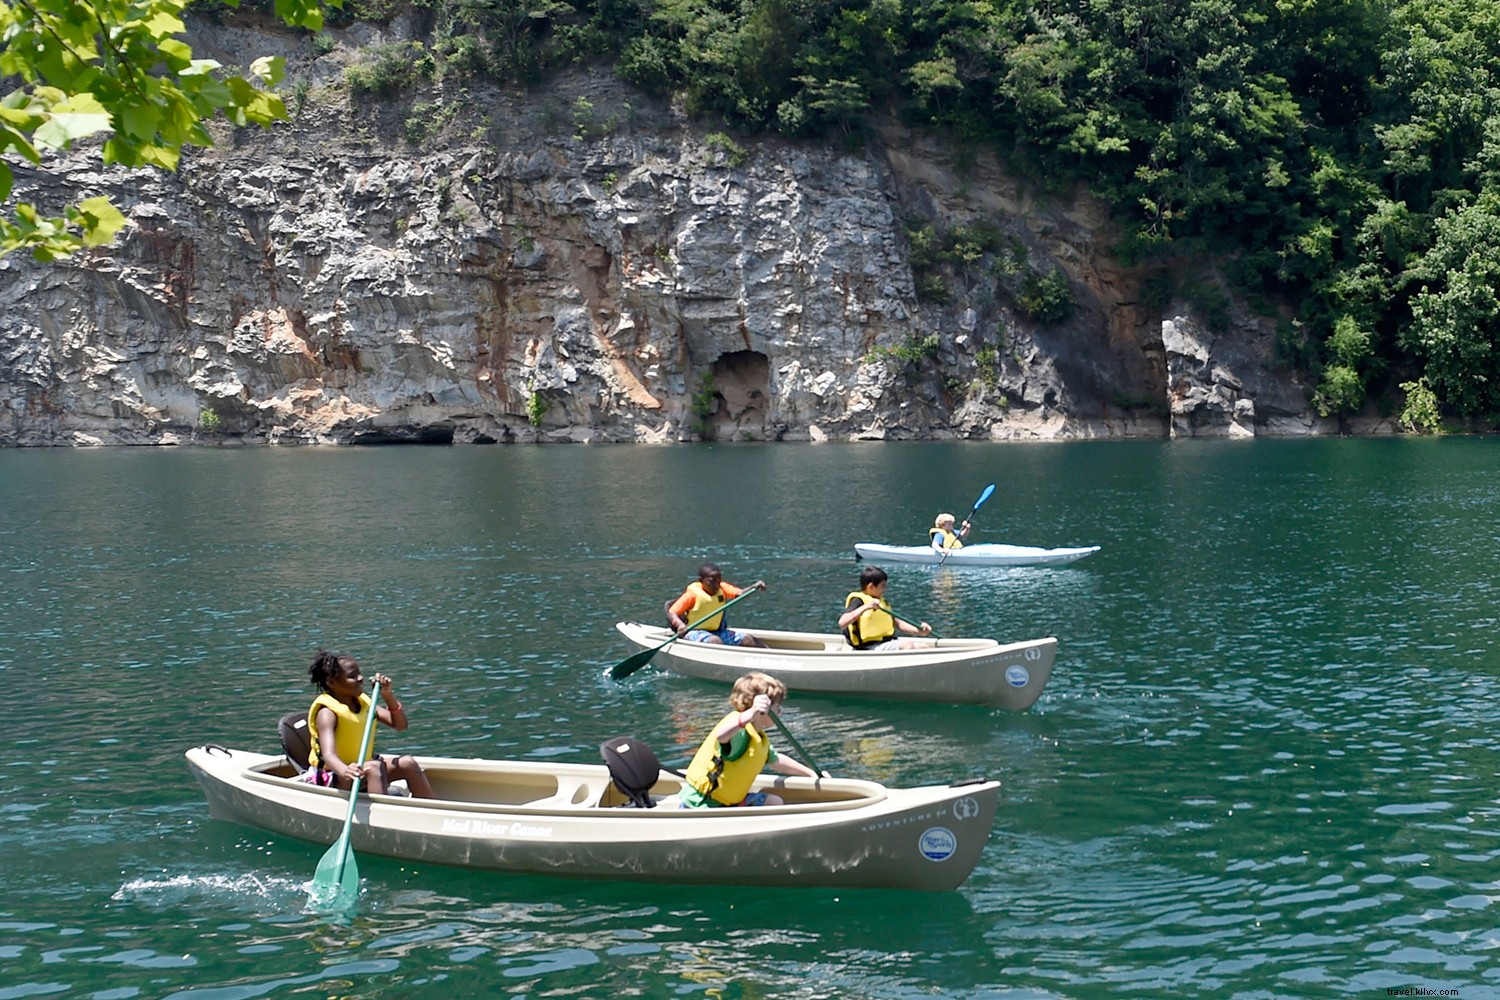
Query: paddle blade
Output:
(632,663)
(984,496)
(335,885)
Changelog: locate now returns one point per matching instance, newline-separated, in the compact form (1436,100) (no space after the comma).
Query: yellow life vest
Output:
(351,726)
(704,603)
(727,782)
(950,540)
(875,625)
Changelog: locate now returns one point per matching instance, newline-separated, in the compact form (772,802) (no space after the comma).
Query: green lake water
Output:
(1264,766)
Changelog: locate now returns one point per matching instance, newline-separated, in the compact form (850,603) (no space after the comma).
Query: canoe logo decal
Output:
(937,843)
(1034,653)
(1017,675)
(485,828)
(965,808)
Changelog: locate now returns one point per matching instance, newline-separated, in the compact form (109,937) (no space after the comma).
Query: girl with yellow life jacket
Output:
(867,621)
(336,721)
(733,754)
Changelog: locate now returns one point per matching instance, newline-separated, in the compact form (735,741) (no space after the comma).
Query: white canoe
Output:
(568,819)
(979,554)
(966,671)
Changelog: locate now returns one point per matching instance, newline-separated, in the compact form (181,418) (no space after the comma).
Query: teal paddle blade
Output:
(636,661)
(632,663)
(335,885)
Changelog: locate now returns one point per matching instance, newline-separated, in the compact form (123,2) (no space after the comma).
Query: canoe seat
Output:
(572,792)
(297,745)
(296,742)
(633,769)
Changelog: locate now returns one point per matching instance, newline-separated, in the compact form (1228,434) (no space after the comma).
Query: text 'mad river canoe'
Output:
(961,671)
(570,820)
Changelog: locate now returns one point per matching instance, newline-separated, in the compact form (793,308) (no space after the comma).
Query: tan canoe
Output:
(567,819)
(965,671)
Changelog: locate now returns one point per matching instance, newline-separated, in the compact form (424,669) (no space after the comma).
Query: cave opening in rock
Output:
(741,398)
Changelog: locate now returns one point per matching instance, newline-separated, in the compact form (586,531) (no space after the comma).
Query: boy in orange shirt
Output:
(700,599)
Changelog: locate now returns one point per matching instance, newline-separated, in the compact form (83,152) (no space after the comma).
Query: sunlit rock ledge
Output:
(631,278)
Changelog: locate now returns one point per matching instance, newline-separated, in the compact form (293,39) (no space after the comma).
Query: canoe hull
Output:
(561,820)
(979,554)
(960,671)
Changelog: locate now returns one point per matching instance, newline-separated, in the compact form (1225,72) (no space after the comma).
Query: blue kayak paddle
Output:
(977,504)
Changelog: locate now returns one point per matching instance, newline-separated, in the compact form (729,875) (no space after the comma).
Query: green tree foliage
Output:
(510,40)
(117,69)
(1342,389)
(389,70)
(1421,412)
(1047,298)
(1456,312)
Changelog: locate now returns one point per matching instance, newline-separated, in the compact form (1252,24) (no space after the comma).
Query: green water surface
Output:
(1264,766)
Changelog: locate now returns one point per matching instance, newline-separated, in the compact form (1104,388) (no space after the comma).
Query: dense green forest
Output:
(1340,155)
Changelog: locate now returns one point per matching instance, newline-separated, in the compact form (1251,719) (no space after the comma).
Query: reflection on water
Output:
(1263,766)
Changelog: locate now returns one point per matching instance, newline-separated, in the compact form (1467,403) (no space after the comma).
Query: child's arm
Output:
(787,765)
(328,756)
(676,610)
(855,610)
(735,723)
(394,713)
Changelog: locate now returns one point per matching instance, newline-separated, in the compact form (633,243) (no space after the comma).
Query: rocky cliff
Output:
(583,265)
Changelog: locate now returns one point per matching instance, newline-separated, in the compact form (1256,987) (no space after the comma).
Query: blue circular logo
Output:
(937,843)
(1017,676)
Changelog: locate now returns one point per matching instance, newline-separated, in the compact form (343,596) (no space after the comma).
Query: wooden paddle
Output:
(977,504)
(801,751)
(335,885)
(636,661)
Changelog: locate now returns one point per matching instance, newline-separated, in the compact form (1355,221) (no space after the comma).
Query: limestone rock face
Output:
(620,277)
(1226,385)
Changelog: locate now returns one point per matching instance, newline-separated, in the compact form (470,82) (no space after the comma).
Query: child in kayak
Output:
(867,621)
(699,599)
(733,754)
(942,535)
(336,721)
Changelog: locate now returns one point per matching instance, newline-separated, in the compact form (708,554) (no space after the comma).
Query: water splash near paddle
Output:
(248,891)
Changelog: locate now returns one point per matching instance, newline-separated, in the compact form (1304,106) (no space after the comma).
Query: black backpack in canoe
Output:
(634,768)
(296,741)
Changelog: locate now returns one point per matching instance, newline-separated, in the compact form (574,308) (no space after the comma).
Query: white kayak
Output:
(978,554)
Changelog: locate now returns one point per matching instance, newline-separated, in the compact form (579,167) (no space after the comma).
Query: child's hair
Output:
(709,569)
(750,685)
(327,665)
(871,574)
